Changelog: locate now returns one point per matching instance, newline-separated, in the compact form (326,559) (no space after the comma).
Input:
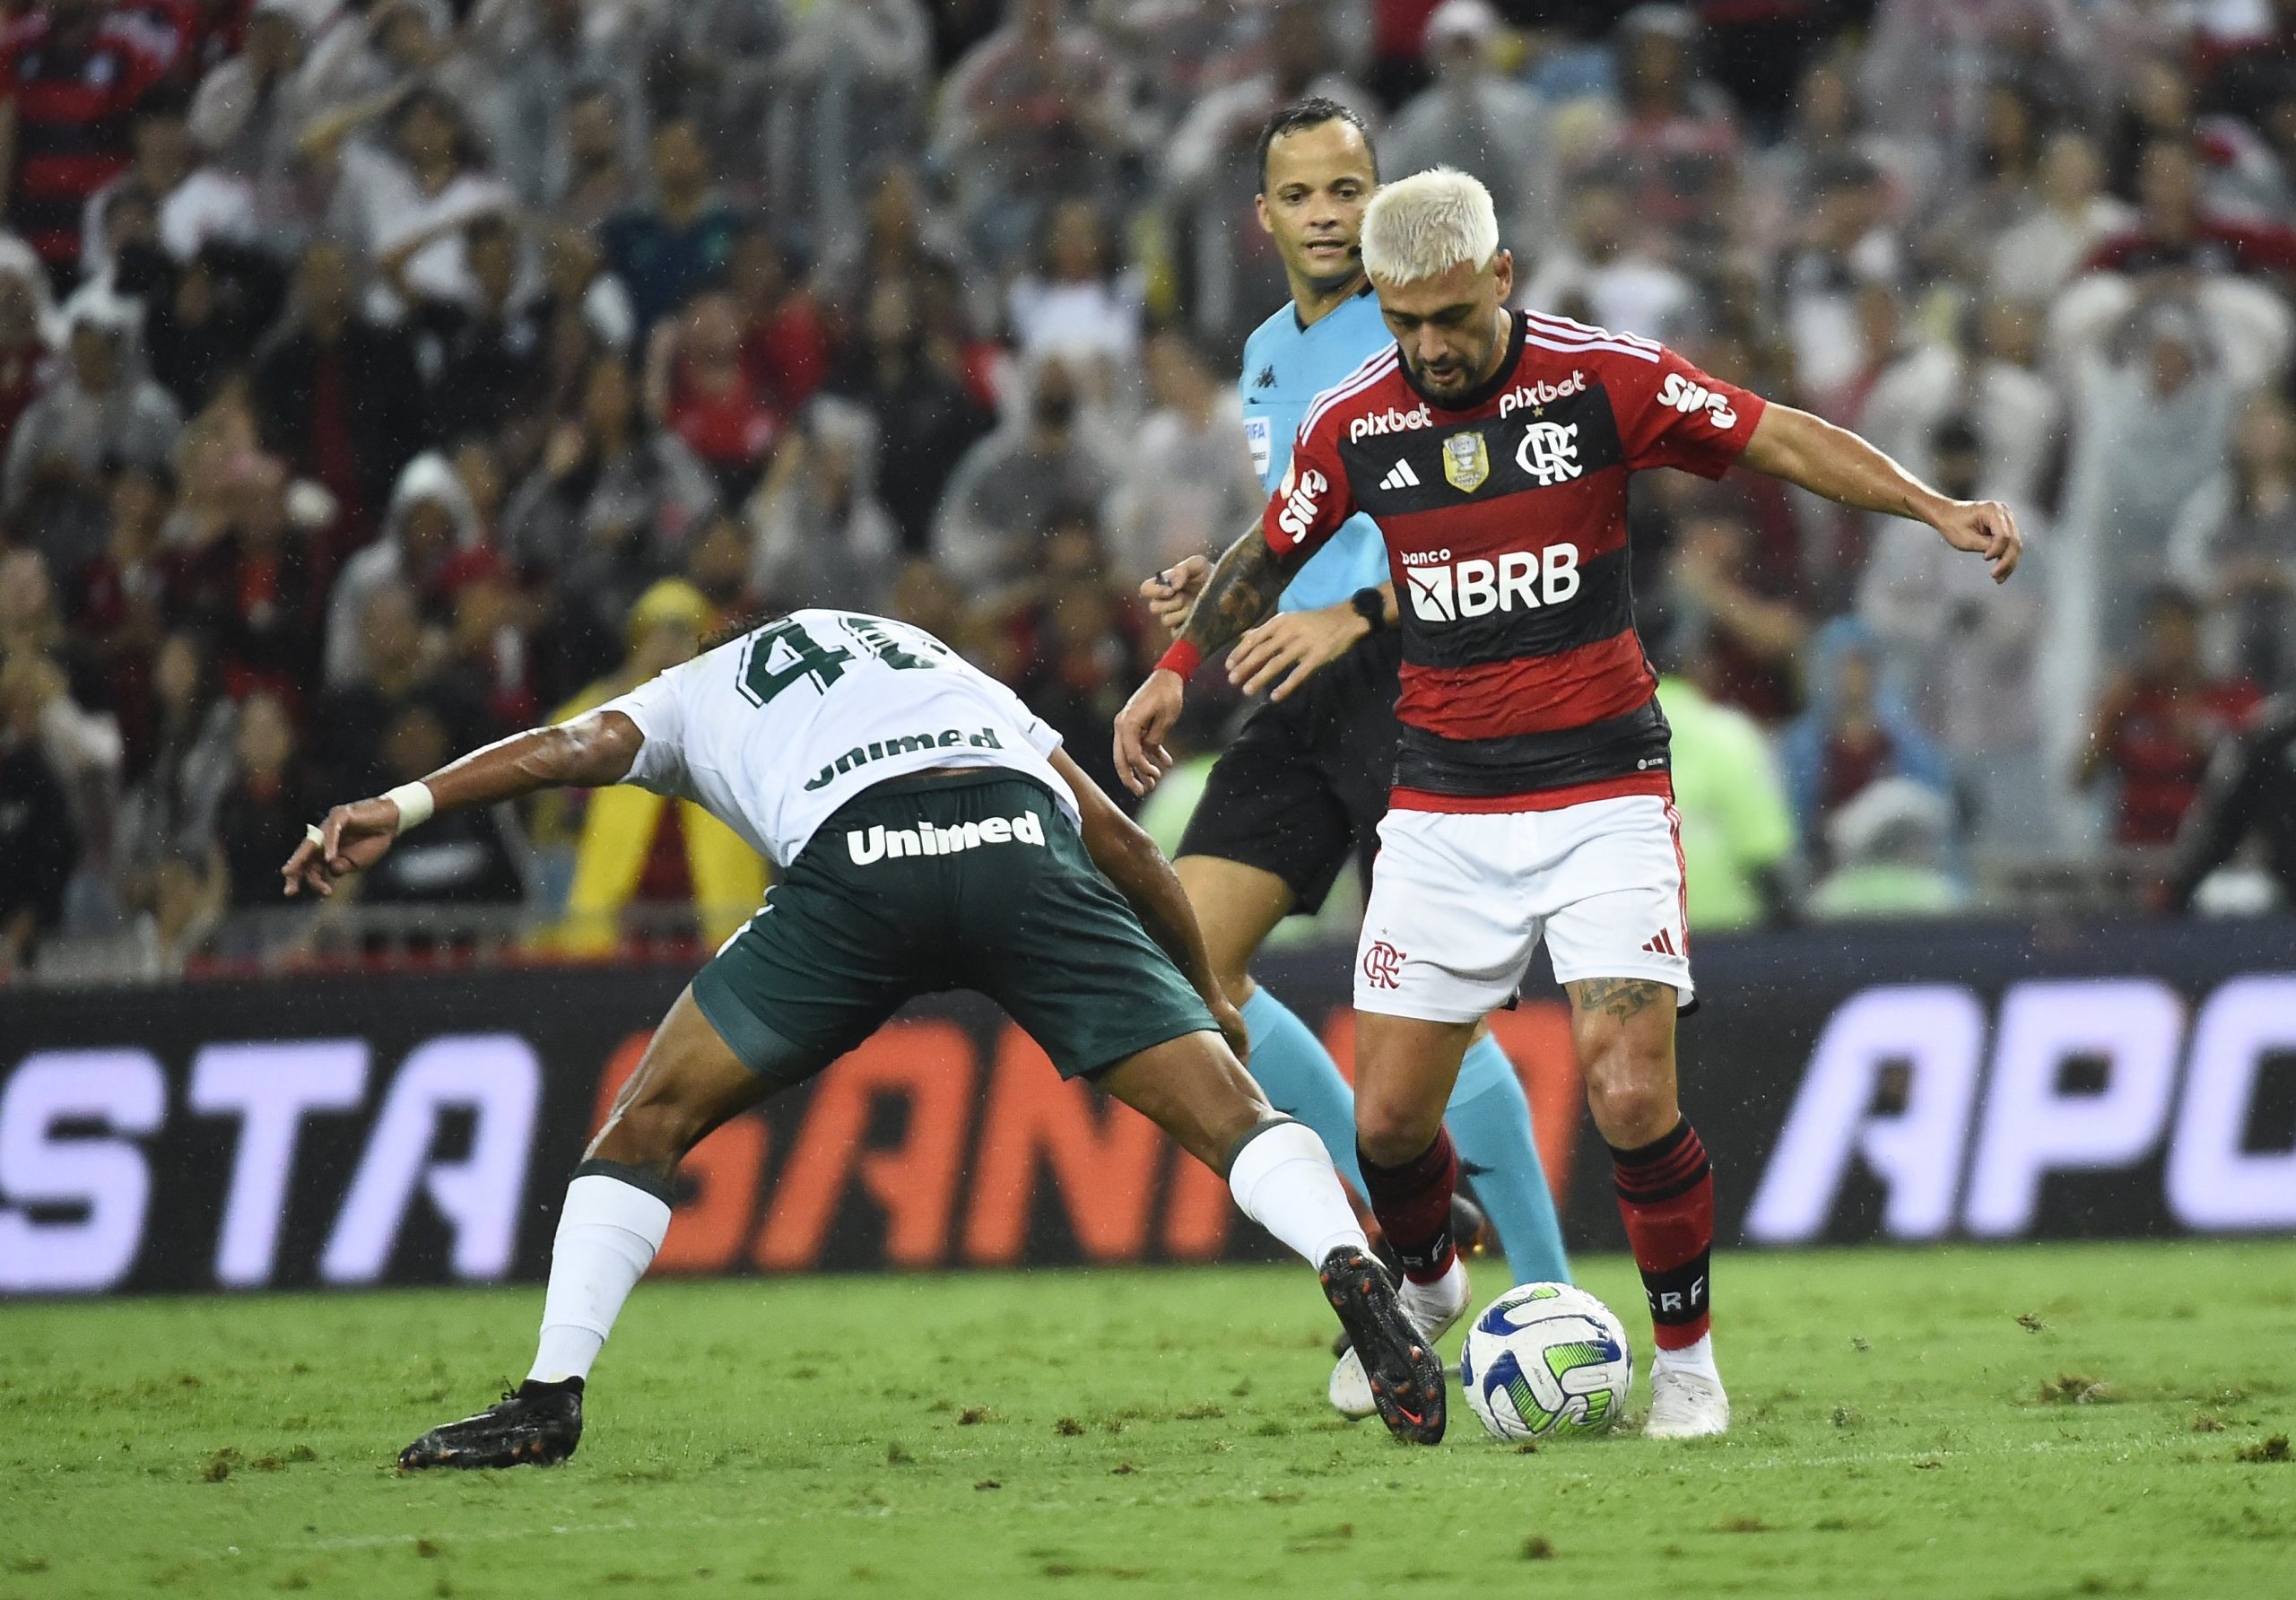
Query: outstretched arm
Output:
(1240,592)
(588,752)
(1129,859)
(1837,463)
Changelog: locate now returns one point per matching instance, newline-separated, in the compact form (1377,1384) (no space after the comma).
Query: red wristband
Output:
(1183,658)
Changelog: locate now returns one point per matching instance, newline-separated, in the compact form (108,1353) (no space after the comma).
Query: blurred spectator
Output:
(787,349)
(251,583)
(249,108)
(1847,251)
(465,856)
(1737,830)
(1012,487)
(2009,414)
(2033,258)
(340,395)
(484,351)
(38,840)
(1212,170)
(408,194)
(1888,846)
(266,802)
(24,345)
(71,85)
(169,808)
(101,412)
(1036,113)
(350,723)
(604,515)
(187,204)
(2250,792)
(2235,546)
(821,537)
(2172,231)
(1678,139)
(914,387)
(1479,122)
(1968,649)
(1601,273)
(1186,485)
(563,101)
(849,90)
(1858,730)
(1736,615)
(1080,304)
(665,252)
(635,844)
(2160,720)
(63,687)
(431,521)
(698,387)
(117,603)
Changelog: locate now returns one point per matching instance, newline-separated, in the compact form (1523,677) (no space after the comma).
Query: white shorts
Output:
(1459,900)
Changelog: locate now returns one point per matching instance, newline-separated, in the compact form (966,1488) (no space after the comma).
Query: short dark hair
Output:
(1314,111)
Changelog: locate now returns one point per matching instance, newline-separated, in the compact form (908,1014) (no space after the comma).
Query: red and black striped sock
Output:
(1413,1204)
(1666,1194)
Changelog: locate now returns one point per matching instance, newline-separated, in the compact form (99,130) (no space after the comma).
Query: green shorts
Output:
(1008,903)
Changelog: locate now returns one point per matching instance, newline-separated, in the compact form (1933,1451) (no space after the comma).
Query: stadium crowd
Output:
(379,376)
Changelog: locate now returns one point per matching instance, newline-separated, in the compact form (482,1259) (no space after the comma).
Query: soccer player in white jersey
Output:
(929,834)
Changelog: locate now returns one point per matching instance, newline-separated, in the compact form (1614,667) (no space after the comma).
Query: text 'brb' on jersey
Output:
(1523,683)
(770,733)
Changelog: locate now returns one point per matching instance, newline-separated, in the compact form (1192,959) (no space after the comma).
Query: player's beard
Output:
(1453,380)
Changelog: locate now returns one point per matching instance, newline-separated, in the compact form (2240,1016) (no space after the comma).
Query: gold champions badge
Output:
(1466,463)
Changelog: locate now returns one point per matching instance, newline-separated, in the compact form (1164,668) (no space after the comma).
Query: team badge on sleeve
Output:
(1466,461)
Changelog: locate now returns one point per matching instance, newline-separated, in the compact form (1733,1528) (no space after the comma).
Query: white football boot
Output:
(1685,1404)
(1433,1309)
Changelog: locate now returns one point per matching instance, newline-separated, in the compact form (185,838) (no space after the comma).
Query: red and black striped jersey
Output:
(73,101)
(1524,685)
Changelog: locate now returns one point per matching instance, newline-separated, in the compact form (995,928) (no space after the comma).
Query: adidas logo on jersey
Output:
(1400,476)
(882,843)
(1662,945)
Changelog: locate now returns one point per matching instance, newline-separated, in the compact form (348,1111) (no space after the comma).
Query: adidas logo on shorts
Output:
(1400,476)
(1662,945)
(925,839)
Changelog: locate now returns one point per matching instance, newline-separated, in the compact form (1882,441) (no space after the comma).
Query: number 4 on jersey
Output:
(781,654)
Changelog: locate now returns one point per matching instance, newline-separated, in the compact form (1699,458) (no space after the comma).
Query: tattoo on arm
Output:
(1617,998)
(1240,592)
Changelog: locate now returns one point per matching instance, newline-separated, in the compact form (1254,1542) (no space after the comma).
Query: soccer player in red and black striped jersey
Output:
(1532,795)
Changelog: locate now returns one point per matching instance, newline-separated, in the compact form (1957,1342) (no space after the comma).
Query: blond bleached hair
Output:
(1424,225)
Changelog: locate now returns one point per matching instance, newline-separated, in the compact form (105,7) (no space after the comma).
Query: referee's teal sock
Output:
(1491,1125)
(1301,1080)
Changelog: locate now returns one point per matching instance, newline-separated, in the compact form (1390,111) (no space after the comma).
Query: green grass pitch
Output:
(2016,1421)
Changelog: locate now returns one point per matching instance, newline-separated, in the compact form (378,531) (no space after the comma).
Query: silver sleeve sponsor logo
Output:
(1960,1124)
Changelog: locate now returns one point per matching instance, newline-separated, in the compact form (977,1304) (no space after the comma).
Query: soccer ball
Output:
(1547,1359)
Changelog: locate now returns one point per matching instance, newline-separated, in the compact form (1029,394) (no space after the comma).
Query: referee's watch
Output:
(1371,605)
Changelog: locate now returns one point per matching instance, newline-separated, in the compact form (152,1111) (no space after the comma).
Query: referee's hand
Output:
(1141,727)
(1171,594)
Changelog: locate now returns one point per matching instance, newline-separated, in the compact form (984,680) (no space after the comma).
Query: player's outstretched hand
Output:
(1142,726)
(353,838)
(1291,647)
(1987,528)
(1172,592)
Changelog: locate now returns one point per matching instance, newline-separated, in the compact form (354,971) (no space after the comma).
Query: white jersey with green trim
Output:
(771,732)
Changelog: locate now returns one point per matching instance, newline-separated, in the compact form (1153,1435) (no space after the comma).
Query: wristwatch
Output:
(1371,605)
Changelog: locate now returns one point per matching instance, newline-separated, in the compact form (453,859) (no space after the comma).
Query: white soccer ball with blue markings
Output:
(1547,1359)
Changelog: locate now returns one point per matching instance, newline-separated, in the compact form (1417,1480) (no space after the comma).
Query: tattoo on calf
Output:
(1617,998)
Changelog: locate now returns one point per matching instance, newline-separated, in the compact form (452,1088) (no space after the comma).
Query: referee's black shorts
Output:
(1306,782)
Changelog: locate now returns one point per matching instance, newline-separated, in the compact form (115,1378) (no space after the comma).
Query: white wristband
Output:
(414,803)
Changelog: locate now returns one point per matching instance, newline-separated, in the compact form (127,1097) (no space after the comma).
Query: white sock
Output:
(1283,1180)
(607,1235)
(1428,1304)
(1696,1358)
